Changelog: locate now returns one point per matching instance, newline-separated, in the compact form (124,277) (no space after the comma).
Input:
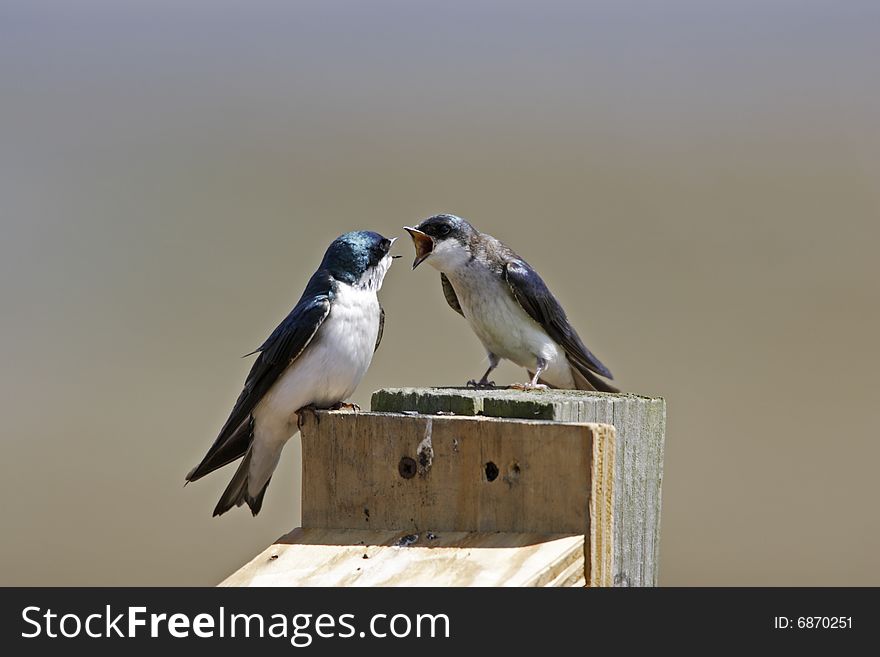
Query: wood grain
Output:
(468,474)
(339,557)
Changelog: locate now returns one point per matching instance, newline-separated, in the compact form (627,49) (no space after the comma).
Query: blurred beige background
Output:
(697,182)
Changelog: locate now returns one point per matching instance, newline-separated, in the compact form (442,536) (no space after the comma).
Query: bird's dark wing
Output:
(381,327)
(449,293)
(282,347)
(532,294)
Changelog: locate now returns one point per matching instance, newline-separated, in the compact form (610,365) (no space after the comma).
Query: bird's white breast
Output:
(333,363)
(328,371)
(503,326)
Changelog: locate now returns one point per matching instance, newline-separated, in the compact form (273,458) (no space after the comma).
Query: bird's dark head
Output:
(360,258)
(444,240)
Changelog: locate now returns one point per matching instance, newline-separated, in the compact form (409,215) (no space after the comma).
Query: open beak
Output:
(424,244)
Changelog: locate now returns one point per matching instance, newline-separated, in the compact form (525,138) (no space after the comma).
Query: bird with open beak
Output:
(507,305)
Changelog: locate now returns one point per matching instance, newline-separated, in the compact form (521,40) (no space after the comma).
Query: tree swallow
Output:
(315,358)
(507,305)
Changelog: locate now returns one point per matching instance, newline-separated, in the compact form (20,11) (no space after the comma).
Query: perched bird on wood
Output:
(507,305)
(314,359)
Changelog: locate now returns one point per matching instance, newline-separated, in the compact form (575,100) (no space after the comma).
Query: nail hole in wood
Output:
(491,471)
(407,467)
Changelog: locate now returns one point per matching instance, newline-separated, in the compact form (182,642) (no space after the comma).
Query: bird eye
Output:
(443,230)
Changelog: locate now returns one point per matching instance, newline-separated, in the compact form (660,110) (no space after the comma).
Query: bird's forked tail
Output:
(236,492)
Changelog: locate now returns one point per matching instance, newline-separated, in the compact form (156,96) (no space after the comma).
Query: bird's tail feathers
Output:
(224,452)
(587,380)
(236,492)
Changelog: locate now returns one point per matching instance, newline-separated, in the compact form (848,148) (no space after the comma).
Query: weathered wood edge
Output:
(509,403)
(599,567)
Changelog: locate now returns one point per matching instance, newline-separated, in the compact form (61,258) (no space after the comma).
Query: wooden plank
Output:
(599,566)
(640,424)
(444,473)
(339,557)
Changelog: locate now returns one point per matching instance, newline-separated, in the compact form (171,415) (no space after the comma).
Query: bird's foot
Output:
(529,386)
(301,413)
(482,384)
(345,406)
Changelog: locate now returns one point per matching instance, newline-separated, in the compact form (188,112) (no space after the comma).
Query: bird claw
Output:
(345,406)
(300,415)
(529,386)
(484,385)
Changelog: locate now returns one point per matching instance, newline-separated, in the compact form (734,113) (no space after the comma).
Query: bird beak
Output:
(424,244)
(388,253)
(392,241)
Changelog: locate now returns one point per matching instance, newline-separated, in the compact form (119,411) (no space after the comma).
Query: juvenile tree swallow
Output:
(315,358)
(507,305)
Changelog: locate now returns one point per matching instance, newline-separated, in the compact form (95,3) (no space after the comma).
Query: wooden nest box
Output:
(461,487)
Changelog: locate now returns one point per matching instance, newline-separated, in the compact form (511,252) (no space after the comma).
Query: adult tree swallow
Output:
(507,305)
(315,358)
